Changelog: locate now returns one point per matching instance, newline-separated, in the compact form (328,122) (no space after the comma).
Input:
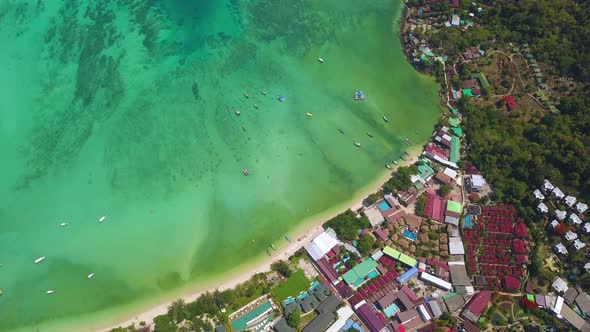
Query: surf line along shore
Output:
(304,233)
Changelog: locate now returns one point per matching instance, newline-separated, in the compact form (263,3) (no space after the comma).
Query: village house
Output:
(547,186)
(559,285)
(581,207)
(579,244)
(557,193)
(538,195)
(560,215)
(474,182)
(570,201)
(586,228)
(542,208)
(570,236)
(560,249)
(575,219)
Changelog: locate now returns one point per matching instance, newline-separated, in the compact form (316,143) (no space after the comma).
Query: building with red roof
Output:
(434,207)
(510,103)
(475,308)
(519,246)
(520,230)
(511,283)
(381,234)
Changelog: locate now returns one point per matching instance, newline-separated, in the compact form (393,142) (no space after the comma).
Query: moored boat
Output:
(287,238)
(359,95)
(369,134)
(402,157)
(385,119)
(309,114)
(267,251)
(51,291)
(39,260)
(395,162)
(90,275)
(238,113)
(103,218)
(387,165)
(341,131)
(255,106)
(321,60)
(264,93)
(273,246)
(244,128)
(281,98)
(245,171)
(246,95)
(406,152)
(358,145)
(63,224)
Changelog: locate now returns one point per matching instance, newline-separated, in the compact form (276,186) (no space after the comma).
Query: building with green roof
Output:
(455,122)
(425,171)
(457,131)
(409,261)
(360,271)
(455,149)
(454,206)
(467,92)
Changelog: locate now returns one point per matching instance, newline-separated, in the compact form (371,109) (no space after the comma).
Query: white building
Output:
(554,223)
(547,186)
(374,215)
(456,246)
(586,227)
(542,208)
(587,267)
(560,215)
(445,285)
(575,219)
(560,249)
(451,173)
(557,193)
(570,200)
(475,182)
(343,314)
(559,285)
(581,207)
(321,245)
(570,236)
(538,195)
(579,244)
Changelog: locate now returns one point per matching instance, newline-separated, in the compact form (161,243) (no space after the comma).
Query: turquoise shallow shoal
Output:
(126,109)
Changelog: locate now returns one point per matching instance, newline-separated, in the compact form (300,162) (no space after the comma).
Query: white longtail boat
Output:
(91,275)
(51,291)
(103,218)
(39,260)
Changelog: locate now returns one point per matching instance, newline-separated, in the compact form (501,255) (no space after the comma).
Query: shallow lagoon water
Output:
(125,109)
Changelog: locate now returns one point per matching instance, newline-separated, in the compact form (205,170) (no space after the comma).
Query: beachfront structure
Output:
(442,284)
(538,195)
(547,186)
(560,249)
(570,200)
(321,245)
(575,219)
(557,193)
(374,215)
(581,207)
(542,208)
(475,182)
(559,285)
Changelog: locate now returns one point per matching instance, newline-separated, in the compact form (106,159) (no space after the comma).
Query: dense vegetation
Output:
(346,225)
(401,180)
(517,154)
(558,32)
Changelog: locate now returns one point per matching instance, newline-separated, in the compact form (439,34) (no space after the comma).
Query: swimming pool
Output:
(410,235)
(391,310)
(384,206)
(468,222)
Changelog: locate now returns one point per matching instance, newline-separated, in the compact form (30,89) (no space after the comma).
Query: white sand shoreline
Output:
(303,234)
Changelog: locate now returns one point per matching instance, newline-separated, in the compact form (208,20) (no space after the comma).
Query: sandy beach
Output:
(301,235)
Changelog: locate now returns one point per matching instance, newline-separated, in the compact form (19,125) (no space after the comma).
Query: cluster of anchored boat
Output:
(42,258)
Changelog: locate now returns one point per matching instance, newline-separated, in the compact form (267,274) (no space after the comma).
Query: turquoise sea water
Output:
(125,109)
